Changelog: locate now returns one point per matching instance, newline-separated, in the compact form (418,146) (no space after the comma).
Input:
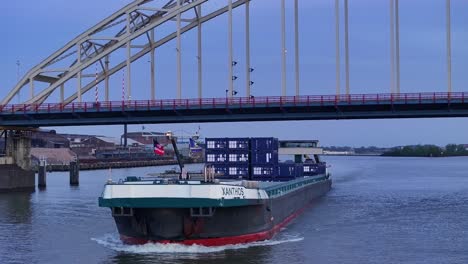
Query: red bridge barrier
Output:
(240,102)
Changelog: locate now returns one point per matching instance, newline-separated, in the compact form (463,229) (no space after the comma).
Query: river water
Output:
(381,210)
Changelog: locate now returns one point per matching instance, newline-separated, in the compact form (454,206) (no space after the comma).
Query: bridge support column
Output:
(129,62)
(200,54)
(346,46)
(31,85)
(283,48)
(15,166)
(296,40)
(179,51)
(152,69)
(78,76)
(392,46)
(19,148)
(62,93)
(337,46)
(247,49)
(129,71)
(230,48)
(42,175)
(74,173)
(397,45)
(106,72)
(449,47)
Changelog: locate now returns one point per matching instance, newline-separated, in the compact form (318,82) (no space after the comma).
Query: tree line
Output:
(428,151)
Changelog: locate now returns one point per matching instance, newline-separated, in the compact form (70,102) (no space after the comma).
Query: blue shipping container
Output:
(299,170)
(287,170)
(264,144)
(310,169)
(216,143)
(265,157)
(238,143)
(323,168)
(219,169)
(264,170)
(238,157)
(313,169)
(215,156)
(237,171)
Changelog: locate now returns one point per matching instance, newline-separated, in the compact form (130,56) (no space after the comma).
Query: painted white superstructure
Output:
(206,191)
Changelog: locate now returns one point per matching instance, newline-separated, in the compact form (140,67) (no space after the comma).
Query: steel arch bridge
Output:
(132,29)
(118,31)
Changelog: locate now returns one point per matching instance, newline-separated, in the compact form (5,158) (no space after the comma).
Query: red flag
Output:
(158,148)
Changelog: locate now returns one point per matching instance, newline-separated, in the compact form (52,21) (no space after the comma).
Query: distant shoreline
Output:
(391,156)
(451,150)
(418,156)
(427,150)
(359,155)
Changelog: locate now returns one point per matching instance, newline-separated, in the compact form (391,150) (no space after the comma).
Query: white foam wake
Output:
(113,242)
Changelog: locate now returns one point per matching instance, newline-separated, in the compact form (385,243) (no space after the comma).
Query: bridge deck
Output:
(356,106)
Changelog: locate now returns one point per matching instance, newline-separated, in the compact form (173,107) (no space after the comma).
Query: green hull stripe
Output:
(174,202)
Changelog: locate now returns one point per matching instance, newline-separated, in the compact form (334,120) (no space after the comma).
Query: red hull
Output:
(221,241)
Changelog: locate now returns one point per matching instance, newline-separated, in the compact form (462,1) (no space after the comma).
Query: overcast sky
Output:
(32,30)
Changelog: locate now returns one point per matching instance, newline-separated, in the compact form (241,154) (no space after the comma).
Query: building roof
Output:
(50,136)
(54,155)
(116,141)
(146,138)
(77,135)
(112,140)
(144,134)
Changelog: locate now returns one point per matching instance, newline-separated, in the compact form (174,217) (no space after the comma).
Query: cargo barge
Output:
(243,195)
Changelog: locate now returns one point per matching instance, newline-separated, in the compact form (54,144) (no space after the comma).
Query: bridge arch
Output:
(98,43)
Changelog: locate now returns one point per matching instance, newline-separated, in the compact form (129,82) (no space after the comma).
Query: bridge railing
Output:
(239,102)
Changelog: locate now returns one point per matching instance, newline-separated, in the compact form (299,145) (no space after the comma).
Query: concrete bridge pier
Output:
(15,163)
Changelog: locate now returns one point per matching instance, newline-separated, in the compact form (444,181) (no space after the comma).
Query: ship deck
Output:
(266,185)
(144,192)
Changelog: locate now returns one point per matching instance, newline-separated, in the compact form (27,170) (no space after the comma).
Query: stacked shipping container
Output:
(312,169)
(264,158)
(254,159)
(288,171)
(238,157)
(229,157)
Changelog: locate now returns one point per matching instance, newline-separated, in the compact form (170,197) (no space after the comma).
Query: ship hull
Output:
(227,225)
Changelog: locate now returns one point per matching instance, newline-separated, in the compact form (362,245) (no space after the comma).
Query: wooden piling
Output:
(74,173)
(42,175)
